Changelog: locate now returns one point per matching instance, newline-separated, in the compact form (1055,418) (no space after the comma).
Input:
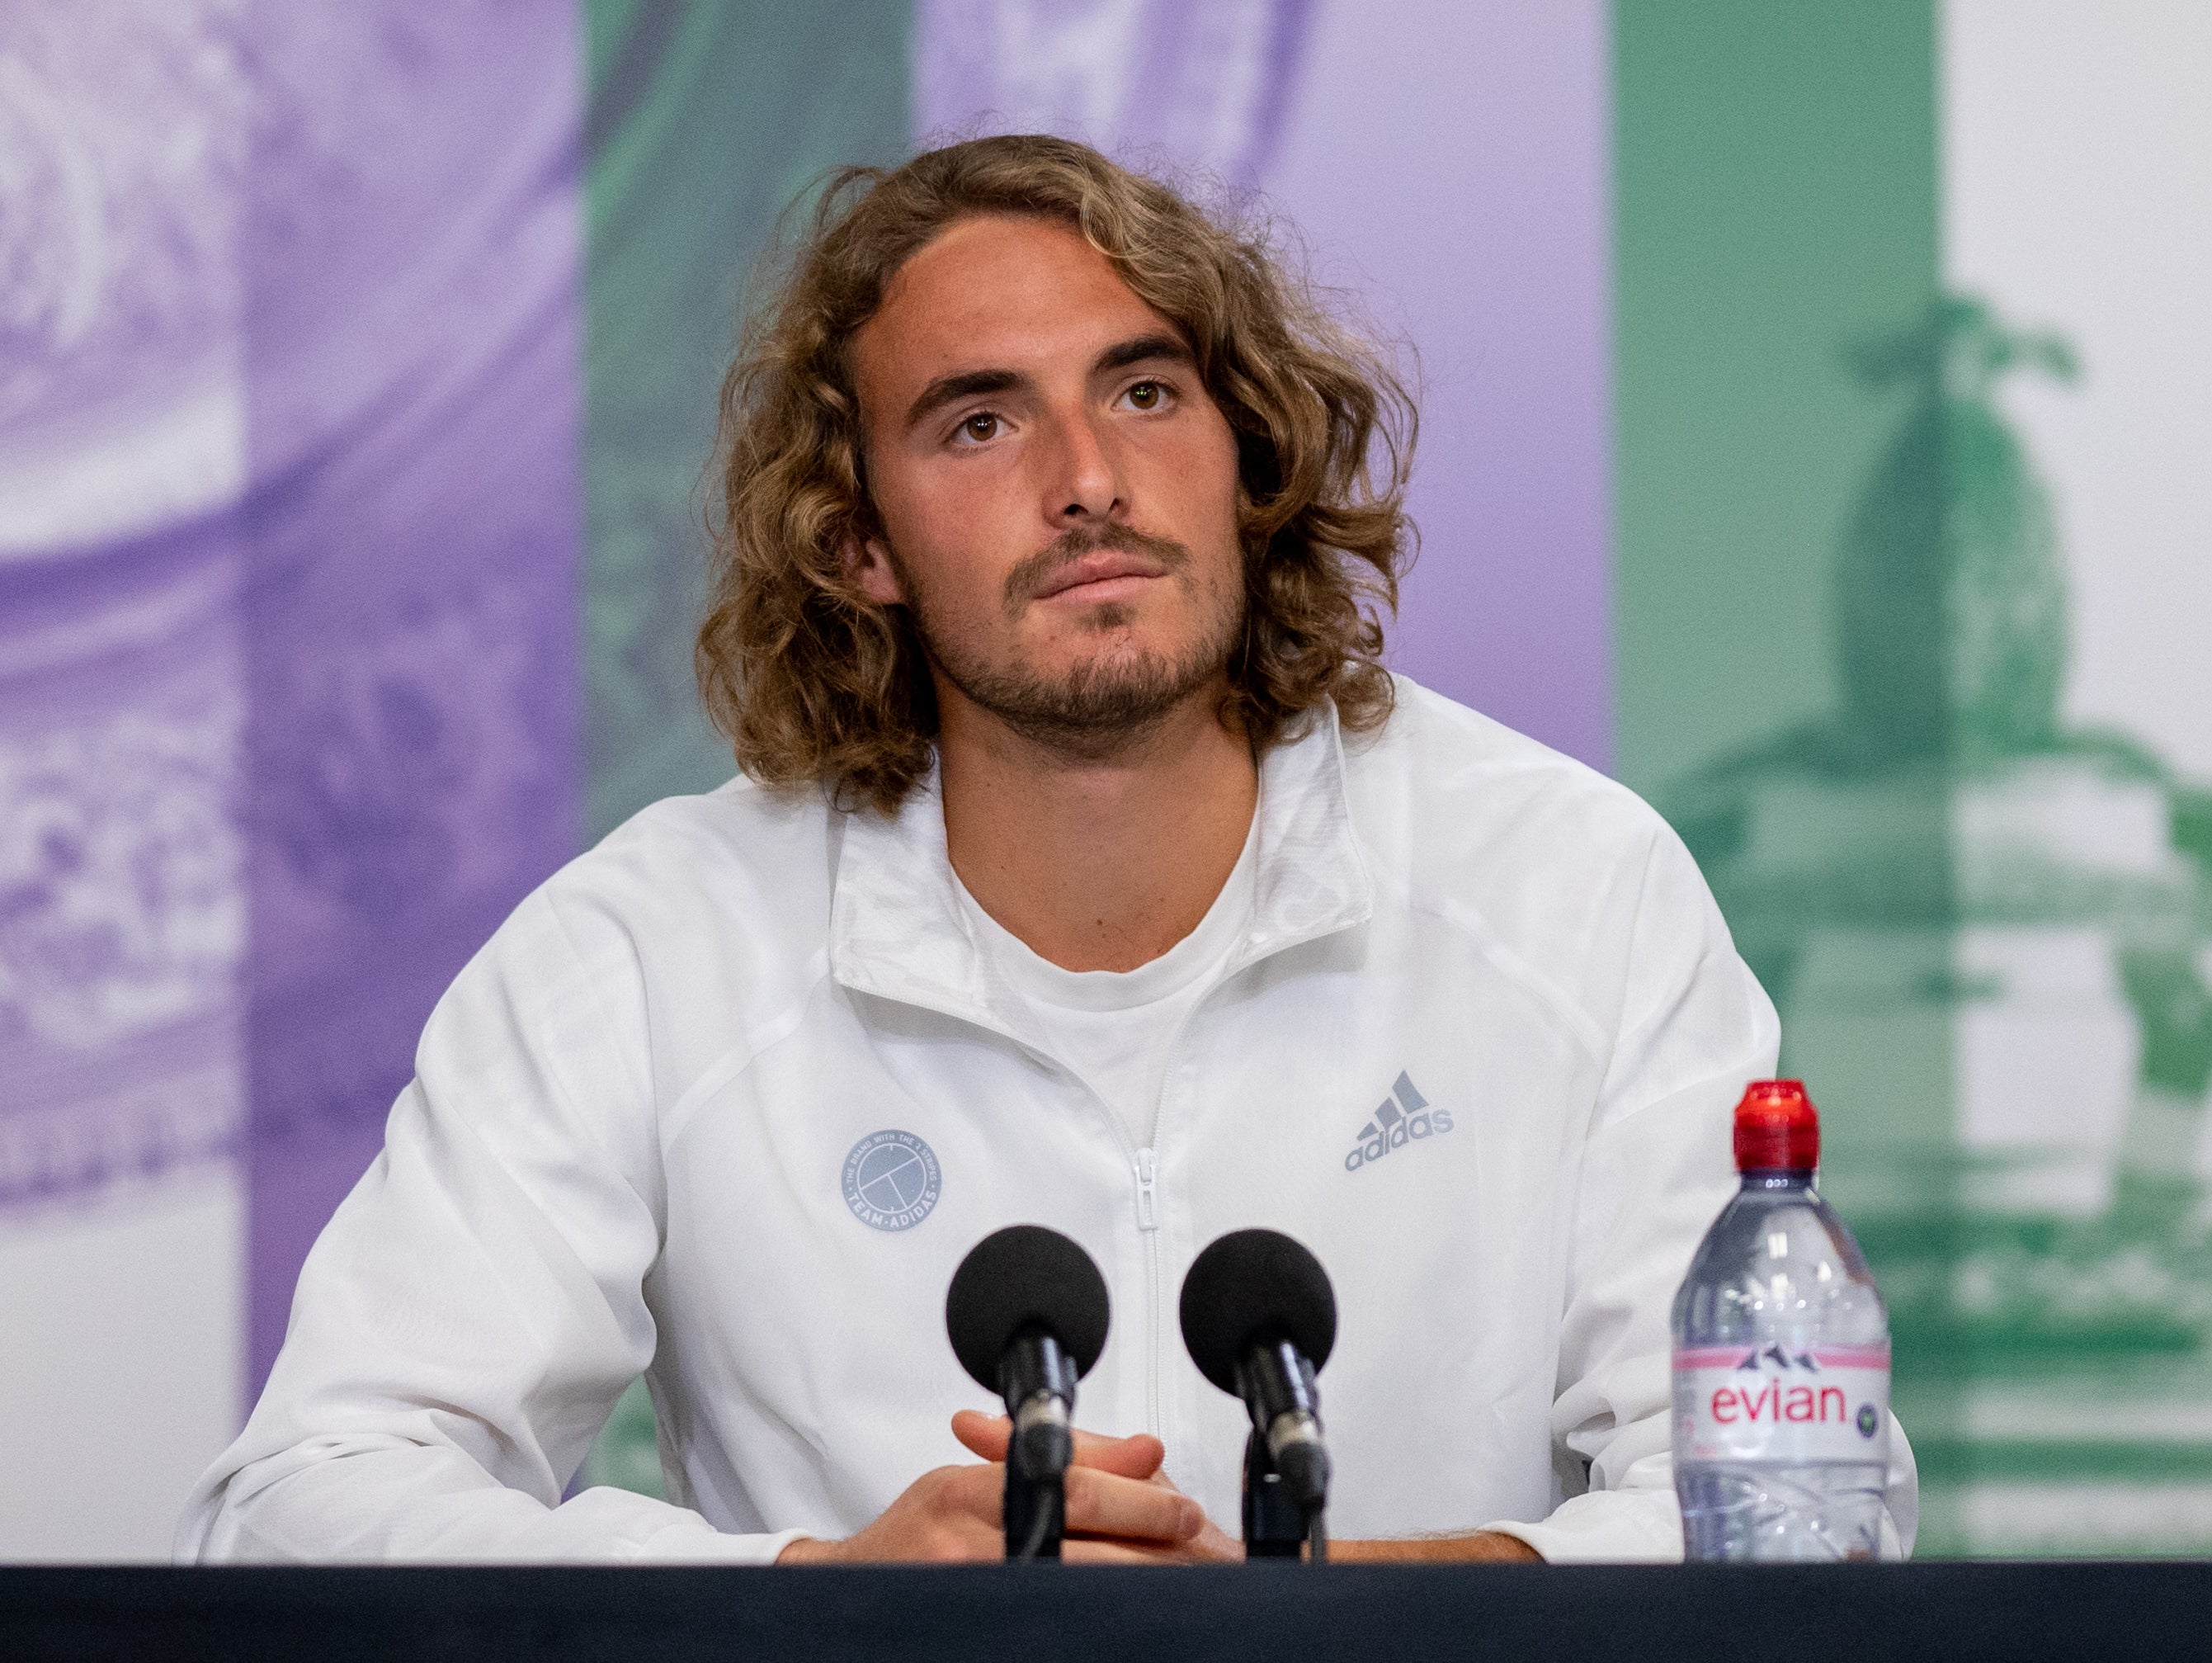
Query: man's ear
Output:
(868,563)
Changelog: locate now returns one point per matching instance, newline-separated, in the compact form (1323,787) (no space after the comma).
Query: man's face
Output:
(1057,490)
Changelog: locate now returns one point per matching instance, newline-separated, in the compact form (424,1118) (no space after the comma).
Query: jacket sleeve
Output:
(1657,1169)
(468,1318)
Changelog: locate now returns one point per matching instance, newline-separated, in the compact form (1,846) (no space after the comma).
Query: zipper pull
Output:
(1147,1171)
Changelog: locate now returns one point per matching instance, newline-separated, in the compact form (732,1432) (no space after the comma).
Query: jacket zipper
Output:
(1144,1165)
(1148,1223)
(1148,1210)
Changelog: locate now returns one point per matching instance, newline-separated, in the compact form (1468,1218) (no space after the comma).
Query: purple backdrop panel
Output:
(1449,160)
(122,914)
(411,262)
(1184,82)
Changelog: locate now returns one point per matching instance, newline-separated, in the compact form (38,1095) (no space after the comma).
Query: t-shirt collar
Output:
(898,929)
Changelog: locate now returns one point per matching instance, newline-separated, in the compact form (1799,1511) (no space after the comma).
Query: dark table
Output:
(1957,1613)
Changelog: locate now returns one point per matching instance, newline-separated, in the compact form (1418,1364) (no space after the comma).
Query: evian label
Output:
(1828,1404)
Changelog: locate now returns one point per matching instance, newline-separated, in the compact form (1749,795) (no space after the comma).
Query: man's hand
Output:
(1484,1547)
(1120,1509)
(1139,1456)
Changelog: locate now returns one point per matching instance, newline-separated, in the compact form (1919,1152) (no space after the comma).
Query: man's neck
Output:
(1097,864)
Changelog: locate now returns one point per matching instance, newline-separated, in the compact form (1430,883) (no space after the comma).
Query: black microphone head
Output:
(1254,1286)
(1024,1277)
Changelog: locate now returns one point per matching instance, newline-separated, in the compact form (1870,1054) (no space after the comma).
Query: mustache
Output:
(1028,579)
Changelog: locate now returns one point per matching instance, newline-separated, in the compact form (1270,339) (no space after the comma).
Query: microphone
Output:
(1259,1320)
(1027,1314)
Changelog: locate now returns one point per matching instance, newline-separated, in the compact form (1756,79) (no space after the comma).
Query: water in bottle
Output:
(1781,1360)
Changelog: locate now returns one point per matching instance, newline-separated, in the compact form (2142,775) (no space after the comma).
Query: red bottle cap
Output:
(1777,1127)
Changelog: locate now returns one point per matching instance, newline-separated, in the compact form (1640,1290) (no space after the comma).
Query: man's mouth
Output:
(1102,566)
(1110,563)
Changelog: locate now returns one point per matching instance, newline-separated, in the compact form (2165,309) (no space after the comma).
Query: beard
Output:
(1108,704)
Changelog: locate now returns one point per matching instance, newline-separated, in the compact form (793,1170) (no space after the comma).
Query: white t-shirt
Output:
(1117,1029)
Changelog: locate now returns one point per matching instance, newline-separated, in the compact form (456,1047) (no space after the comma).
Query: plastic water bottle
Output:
(1781,1359)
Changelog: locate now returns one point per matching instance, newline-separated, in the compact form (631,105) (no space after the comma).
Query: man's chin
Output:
(1097,704)
(1119,664)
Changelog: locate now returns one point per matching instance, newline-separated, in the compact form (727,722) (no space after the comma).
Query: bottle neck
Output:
(1765,1180)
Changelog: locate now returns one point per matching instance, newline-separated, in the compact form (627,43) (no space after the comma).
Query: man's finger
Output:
(1099,1550)
(1136,1457)
(1086,1551)
(982,1434)
(1109,1504)
(978,1491)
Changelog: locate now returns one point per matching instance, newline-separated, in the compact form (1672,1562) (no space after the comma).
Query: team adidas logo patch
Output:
(1405,1118)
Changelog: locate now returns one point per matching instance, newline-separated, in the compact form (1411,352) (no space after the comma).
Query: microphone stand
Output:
(1286,1463)
(1274,1524)
(1037,1379)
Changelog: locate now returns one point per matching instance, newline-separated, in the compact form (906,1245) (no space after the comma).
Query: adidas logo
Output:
(1405,1118)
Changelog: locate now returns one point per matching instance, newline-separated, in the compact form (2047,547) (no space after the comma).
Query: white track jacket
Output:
(729,1098)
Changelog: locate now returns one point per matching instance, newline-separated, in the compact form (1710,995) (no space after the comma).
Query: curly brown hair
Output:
(812,682)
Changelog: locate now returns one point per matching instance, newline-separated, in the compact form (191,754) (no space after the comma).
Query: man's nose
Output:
(1088,482)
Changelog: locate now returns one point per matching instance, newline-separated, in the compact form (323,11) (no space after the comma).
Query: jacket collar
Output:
(897,929)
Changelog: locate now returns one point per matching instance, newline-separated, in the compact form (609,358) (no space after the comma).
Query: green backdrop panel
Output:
(1776,200)
(705,121)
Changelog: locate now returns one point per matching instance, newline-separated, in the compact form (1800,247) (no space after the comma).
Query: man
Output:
(1087,870)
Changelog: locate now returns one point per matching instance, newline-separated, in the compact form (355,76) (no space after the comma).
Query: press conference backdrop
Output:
(1817,401)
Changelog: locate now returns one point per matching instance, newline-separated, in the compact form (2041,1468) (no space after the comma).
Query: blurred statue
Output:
(1951,601)
(1989,933)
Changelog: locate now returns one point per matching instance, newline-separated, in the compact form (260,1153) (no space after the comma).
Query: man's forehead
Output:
(999,291)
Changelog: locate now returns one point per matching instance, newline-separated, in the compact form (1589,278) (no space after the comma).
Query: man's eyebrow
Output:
(1141,349)
(949,389)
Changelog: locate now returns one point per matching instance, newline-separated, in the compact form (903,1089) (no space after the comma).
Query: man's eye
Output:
(1147,395)
(980,426)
